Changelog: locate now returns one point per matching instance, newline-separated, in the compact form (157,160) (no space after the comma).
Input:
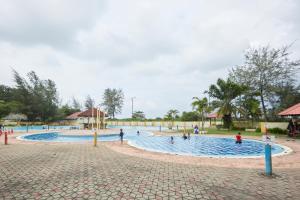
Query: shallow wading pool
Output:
(197,145)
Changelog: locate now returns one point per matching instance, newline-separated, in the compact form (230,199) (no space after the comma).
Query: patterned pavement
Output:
(80,171)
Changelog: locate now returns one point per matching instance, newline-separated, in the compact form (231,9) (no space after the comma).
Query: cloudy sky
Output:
(163,52)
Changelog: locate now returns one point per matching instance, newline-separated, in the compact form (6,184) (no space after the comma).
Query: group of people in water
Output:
(238,137)
(122,135)
(293,129)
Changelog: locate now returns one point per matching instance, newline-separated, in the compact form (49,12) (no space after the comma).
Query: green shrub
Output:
(277,131)
(219,127)
(258,130)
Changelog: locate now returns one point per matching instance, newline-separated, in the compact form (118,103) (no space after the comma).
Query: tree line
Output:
(38,100)
(265,84)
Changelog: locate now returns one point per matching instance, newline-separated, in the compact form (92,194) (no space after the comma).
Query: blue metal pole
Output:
(268,159)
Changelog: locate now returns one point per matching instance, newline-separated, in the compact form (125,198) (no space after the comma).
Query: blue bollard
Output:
(268,159)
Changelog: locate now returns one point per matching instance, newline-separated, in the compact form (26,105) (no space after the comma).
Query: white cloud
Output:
(162,52)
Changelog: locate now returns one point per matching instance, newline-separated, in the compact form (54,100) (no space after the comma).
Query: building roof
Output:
(214,115)
(90,112)
(74,115)
(294,110)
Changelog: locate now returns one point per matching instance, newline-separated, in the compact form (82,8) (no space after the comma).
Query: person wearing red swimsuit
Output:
(238,138)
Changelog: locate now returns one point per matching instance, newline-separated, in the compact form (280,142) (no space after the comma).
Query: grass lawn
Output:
(231,132)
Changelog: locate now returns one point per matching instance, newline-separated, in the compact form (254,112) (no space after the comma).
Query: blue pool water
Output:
(196,145)
(40,127)
(136,128)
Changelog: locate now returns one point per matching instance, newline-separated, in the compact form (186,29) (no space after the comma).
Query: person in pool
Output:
(138,133)
(184,136)
(121,135)
(238,138)
(196,130)
(172,140)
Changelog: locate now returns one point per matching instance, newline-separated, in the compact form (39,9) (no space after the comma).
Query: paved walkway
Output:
(80,171)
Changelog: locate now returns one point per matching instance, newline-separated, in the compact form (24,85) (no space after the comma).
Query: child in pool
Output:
(172,140)
(238,138)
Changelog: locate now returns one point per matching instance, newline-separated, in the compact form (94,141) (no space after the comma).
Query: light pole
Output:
(132,98)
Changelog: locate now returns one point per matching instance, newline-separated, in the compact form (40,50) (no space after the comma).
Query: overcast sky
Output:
(163,52)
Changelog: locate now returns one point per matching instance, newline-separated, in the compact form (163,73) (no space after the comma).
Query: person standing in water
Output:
(238,138)
(121,135)
(172,140)
(196,130)
(138,133)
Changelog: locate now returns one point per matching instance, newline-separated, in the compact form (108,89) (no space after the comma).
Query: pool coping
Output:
(286,150)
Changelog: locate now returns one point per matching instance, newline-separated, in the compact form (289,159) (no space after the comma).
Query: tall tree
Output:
(264,69)
(6,93)
(225,93)
(172,114)
(189,116)
(286,95)
(39,97)
(4,109)
(8,102)
(113,100)
(66,110)
(89,102)
(75,104)
(249,107)
(202,107)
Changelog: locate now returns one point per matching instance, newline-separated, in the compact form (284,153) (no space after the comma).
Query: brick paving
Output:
(80,171)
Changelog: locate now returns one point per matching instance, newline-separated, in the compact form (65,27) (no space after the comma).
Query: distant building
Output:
(291,111)
(87,118)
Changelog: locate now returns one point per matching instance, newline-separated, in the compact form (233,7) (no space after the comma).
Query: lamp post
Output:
(132,98)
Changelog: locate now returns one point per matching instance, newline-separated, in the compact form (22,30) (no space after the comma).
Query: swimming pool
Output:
(41,127)
(198,145)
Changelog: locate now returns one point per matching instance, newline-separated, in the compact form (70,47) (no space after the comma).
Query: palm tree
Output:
(171,114)
(225,92)
(202,107)
(250,108)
